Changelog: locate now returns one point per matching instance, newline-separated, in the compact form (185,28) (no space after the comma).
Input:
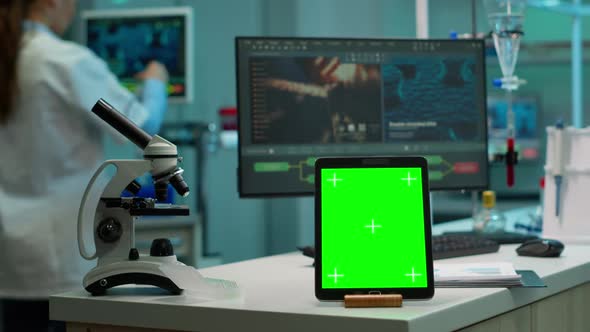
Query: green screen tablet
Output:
(372,227)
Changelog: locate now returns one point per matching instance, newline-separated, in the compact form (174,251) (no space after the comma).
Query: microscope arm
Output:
(126,172)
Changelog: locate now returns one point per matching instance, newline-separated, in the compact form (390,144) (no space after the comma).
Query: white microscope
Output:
(119,262)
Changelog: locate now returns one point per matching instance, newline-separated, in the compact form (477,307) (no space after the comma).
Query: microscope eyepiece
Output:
(179,185)
(122,124)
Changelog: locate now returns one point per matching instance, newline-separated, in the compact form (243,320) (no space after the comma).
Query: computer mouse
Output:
(540,248)
(308,251)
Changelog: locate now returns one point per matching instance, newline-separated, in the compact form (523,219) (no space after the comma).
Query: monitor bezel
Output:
(185,12)
(237,41)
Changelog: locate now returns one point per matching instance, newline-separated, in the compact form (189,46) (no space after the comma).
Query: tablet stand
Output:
(372,300)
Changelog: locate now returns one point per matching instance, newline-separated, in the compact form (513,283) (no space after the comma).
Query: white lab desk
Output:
(278,295)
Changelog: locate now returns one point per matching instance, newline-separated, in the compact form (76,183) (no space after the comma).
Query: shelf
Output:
(561,7)
(554,52)
(576,9)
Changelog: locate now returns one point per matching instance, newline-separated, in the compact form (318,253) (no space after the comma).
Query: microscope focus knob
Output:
(161,248)
(133,254)
(109,230)
(133,187)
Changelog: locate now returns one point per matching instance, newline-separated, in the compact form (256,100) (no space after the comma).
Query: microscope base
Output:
(163,272)
(100,287)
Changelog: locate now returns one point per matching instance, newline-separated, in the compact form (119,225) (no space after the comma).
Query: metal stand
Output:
(197,131)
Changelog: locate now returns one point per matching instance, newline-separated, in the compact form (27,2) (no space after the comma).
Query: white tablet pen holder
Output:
(573,222)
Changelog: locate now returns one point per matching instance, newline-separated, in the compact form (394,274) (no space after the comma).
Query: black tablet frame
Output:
(373,162)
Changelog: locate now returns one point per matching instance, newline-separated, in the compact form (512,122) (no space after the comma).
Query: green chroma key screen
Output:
(372,228)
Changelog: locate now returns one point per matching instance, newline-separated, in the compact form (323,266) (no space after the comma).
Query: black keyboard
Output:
(500,237)
(446,246)
(450,245)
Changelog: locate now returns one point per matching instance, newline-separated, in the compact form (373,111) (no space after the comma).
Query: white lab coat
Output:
(48,151)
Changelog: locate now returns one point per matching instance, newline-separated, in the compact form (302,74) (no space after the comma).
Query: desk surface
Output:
(278,294)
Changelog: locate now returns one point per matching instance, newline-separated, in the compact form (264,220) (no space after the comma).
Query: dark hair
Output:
(12,14)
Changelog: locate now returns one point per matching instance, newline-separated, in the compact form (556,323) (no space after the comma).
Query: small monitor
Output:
(127,40)
(304,98)
(526,120)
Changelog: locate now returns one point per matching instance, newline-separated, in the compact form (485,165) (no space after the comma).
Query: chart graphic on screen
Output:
(438,168)
(370,215)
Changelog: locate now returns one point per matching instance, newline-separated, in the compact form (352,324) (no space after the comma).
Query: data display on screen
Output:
(300,99)
(128,43)
(372,228)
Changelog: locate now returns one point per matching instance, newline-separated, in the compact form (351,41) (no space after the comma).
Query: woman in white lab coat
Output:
(50,143)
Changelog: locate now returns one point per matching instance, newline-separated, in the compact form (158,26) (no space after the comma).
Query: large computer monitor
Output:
(128,39)
(304,98)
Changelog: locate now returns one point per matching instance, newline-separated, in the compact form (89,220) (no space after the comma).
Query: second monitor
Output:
(303,98)
(127,40)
